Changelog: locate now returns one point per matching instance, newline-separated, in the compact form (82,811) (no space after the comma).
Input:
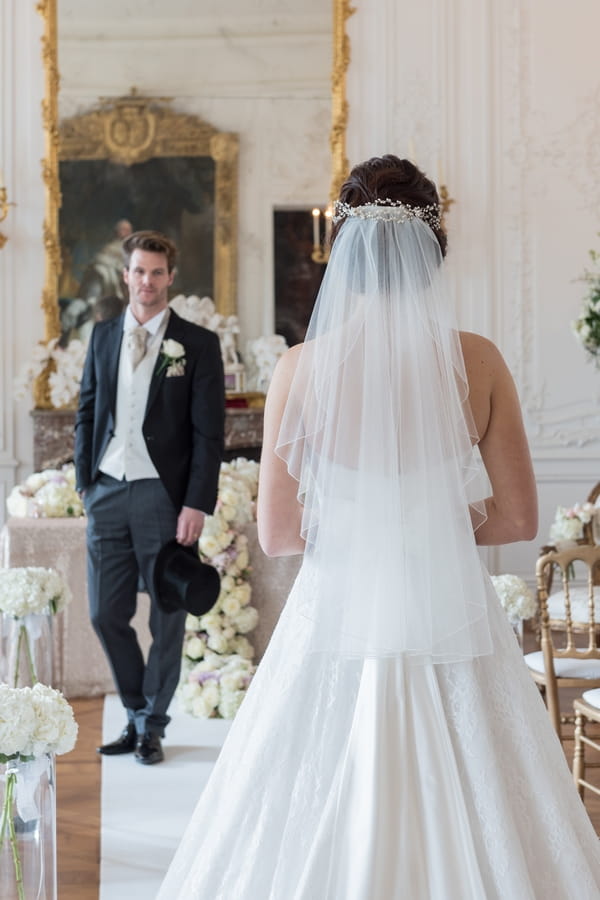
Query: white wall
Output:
(501,100)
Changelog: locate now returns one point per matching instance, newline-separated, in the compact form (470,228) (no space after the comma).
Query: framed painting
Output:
(131,164)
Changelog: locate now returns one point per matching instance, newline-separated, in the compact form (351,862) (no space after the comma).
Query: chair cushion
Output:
(579,605)
(565,668)
(592,697)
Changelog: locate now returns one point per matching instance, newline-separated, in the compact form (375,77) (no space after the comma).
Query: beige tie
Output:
(136,345)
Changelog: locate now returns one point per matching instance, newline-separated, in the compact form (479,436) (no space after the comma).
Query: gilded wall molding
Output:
(342,10)
(47,9)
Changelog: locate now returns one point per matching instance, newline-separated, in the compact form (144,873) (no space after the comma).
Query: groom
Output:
(148,448)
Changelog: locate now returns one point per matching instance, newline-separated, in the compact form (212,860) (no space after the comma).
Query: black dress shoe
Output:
(125,743)
(149,749)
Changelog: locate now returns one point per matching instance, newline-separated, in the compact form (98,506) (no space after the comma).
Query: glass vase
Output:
(26,649)
(28,829)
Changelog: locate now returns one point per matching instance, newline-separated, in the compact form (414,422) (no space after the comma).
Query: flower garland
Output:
(47,494)
(217,656)
(586,328)
(34,722)
(517,600)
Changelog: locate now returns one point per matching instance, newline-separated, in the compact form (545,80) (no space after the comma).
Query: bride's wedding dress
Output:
(382,779)
(392,744)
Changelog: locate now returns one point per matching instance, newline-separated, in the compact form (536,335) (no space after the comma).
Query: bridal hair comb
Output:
(388,211)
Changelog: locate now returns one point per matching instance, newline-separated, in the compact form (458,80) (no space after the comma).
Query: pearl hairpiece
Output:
(388,211)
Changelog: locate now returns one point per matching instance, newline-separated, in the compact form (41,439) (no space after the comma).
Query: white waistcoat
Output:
(126,455)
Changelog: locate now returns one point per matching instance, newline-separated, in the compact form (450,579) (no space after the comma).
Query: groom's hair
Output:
(390,178)
(152,242)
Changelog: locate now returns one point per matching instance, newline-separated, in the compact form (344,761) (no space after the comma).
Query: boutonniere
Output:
(172,358)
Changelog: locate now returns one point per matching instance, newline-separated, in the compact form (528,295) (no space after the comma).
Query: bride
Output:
(392,743)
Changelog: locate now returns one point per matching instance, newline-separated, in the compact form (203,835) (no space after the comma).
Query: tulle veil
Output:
(378,432)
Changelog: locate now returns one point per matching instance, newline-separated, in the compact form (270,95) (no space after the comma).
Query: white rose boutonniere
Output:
(172,358)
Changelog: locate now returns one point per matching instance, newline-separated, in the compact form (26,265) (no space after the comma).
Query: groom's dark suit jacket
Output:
(184,420)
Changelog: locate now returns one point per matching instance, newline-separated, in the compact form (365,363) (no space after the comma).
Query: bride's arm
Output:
(279,511)
(512,510)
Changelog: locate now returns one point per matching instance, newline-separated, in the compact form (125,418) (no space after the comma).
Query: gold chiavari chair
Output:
(569,657)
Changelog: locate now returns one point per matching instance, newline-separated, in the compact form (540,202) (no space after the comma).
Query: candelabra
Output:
(320,250)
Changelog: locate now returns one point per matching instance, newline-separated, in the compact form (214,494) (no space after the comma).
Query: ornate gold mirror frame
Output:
(342,10)
(130,130)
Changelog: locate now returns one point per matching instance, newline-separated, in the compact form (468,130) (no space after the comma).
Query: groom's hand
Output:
(189,525)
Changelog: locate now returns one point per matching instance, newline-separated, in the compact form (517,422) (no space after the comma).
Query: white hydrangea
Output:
(32,589)
(516,598)
(34,721)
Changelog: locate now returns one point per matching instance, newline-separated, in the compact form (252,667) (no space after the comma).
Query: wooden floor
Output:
(78,792)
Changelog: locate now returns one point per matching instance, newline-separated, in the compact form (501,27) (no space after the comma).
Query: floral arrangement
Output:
(262,355)
(568,522)
(587,327)
(25,592)
(217,656)
(32,589)
(34,722)
(202,311)
(66,364)
(516,598)
(46,494)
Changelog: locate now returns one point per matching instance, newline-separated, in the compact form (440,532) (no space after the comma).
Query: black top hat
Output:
(183,581)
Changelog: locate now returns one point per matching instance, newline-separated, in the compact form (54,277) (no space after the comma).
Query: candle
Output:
(316,213)
(327,224)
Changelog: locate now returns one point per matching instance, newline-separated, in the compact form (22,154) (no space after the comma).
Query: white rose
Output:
(230,703)
(227,583)
(194,648)
(242,592)
(35,481)
(218,643)
(243,646)
(211,693)
(172,349)
(209,545)
(203,707)
(210,621)
(231,605)
(246,620)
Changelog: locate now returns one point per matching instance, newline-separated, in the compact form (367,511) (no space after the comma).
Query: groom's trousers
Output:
(128,523)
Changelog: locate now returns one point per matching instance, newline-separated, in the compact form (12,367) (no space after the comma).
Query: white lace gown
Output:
(381,779)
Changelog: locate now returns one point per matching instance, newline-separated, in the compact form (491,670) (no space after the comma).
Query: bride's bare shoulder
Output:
(475,347)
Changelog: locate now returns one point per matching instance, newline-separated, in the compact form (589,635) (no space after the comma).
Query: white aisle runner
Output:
(144,809)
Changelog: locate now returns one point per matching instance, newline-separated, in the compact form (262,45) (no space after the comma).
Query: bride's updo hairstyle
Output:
(387,177)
